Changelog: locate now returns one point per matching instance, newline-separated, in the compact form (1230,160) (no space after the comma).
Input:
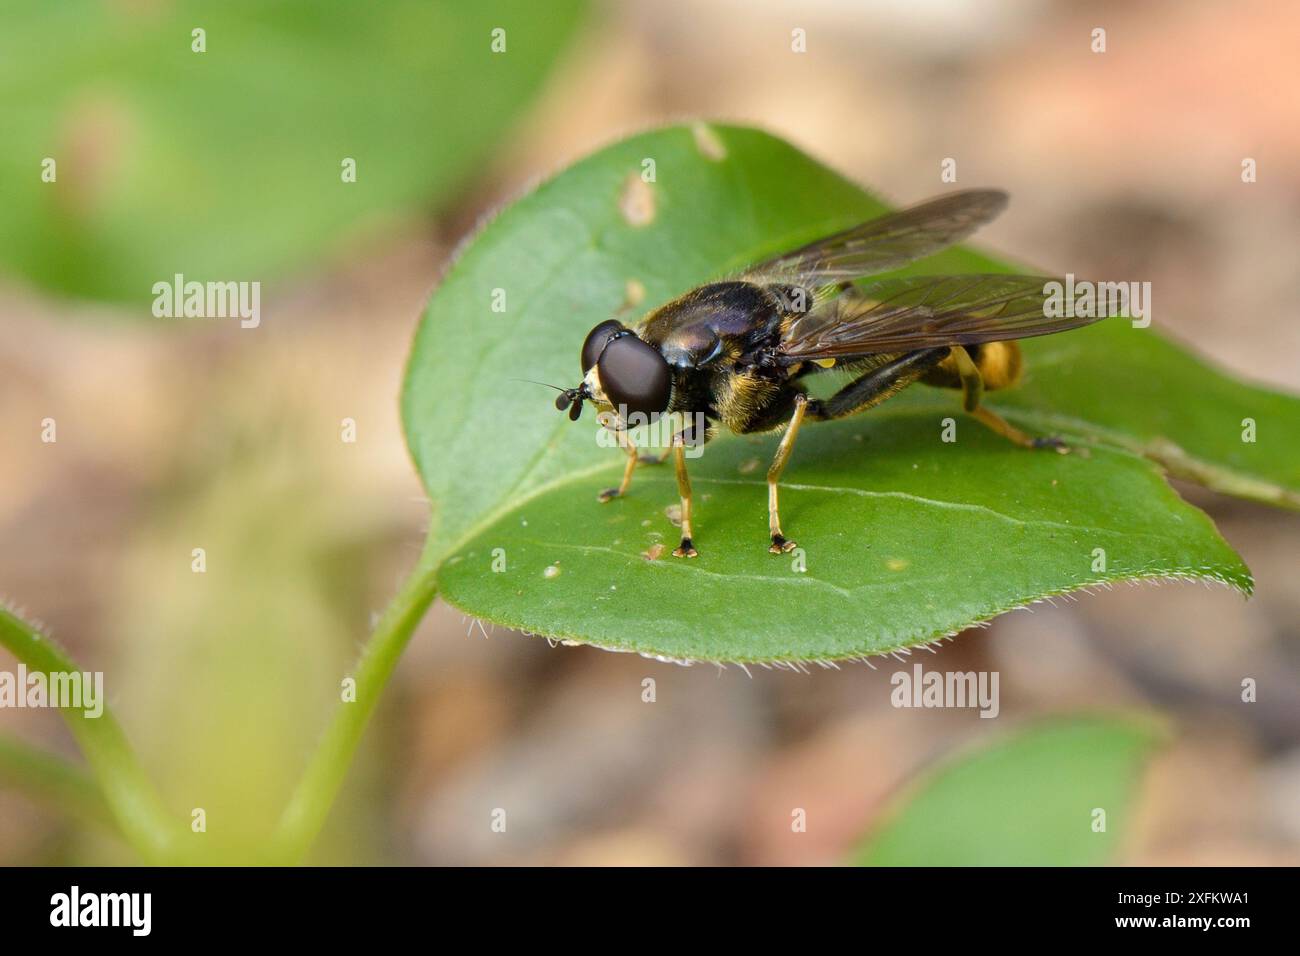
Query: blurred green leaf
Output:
(907,538)
(122,782)
(256,646)
(1027,800)
(53,780)
(226,164)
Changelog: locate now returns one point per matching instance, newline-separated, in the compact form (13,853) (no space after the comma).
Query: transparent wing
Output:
(889,242)
(917,312)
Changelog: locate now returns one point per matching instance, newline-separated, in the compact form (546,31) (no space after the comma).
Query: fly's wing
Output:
(883,244)
(919,312)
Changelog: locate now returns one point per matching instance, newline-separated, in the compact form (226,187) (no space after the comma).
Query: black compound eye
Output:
(596,341)
(635,377)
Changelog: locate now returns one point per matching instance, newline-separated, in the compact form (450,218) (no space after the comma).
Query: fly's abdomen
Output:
(999,364)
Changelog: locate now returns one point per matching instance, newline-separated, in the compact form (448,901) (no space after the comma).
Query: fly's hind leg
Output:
(874,386)
(972,389)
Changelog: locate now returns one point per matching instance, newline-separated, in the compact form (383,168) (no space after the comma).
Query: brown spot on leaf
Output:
(635,293)
(96,133)
(708,143)
(637,201)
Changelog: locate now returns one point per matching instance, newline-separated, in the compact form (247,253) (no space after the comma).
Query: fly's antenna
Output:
(543,384)
(570,398)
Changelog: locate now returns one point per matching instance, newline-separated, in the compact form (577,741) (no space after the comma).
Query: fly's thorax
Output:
(741,399)
(712,322)
(694,390)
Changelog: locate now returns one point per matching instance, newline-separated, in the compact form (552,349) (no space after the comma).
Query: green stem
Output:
(122,781)
(53,780)
(305,814)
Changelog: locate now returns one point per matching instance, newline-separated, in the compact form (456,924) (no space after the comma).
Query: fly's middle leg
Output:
(972,388)
(780,543)
(687,548)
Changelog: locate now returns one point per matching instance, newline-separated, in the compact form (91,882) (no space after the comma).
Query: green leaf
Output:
(227,164)
(1027,800)
(906,538)
(1127,386)
(904,543)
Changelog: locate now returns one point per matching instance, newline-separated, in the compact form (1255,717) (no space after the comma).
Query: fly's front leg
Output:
(609,494)
(972,389)
(780,543)
(634,457)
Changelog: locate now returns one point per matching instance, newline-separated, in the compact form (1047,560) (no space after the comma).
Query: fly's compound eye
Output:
(596,341)
(635,377)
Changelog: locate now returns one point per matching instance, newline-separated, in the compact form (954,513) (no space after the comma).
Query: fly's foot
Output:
(781,544)
(609,494)
(1051,442)
(686,550)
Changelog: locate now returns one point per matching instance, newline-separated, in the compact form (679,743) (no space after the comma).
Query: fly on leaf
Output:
(738,351)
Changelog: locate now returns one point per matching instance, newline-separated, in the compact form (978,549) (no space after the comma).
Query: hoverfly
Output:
(736,351)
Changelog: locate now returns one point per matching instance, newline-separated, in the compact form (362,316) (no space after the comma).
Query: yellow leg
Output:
(972,382)
(609,494)
(972,390)
(686,549)
(780,543)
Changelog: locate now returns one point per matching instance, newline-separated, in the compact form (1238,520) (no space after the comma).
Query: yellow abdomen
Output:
(999,364)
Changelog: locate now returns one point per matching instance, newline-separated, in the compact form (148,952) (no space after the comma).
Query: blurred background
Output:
(177,434)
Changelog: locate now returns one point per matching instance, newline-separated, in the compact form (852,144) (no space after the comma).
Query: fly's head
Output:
(621,373)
